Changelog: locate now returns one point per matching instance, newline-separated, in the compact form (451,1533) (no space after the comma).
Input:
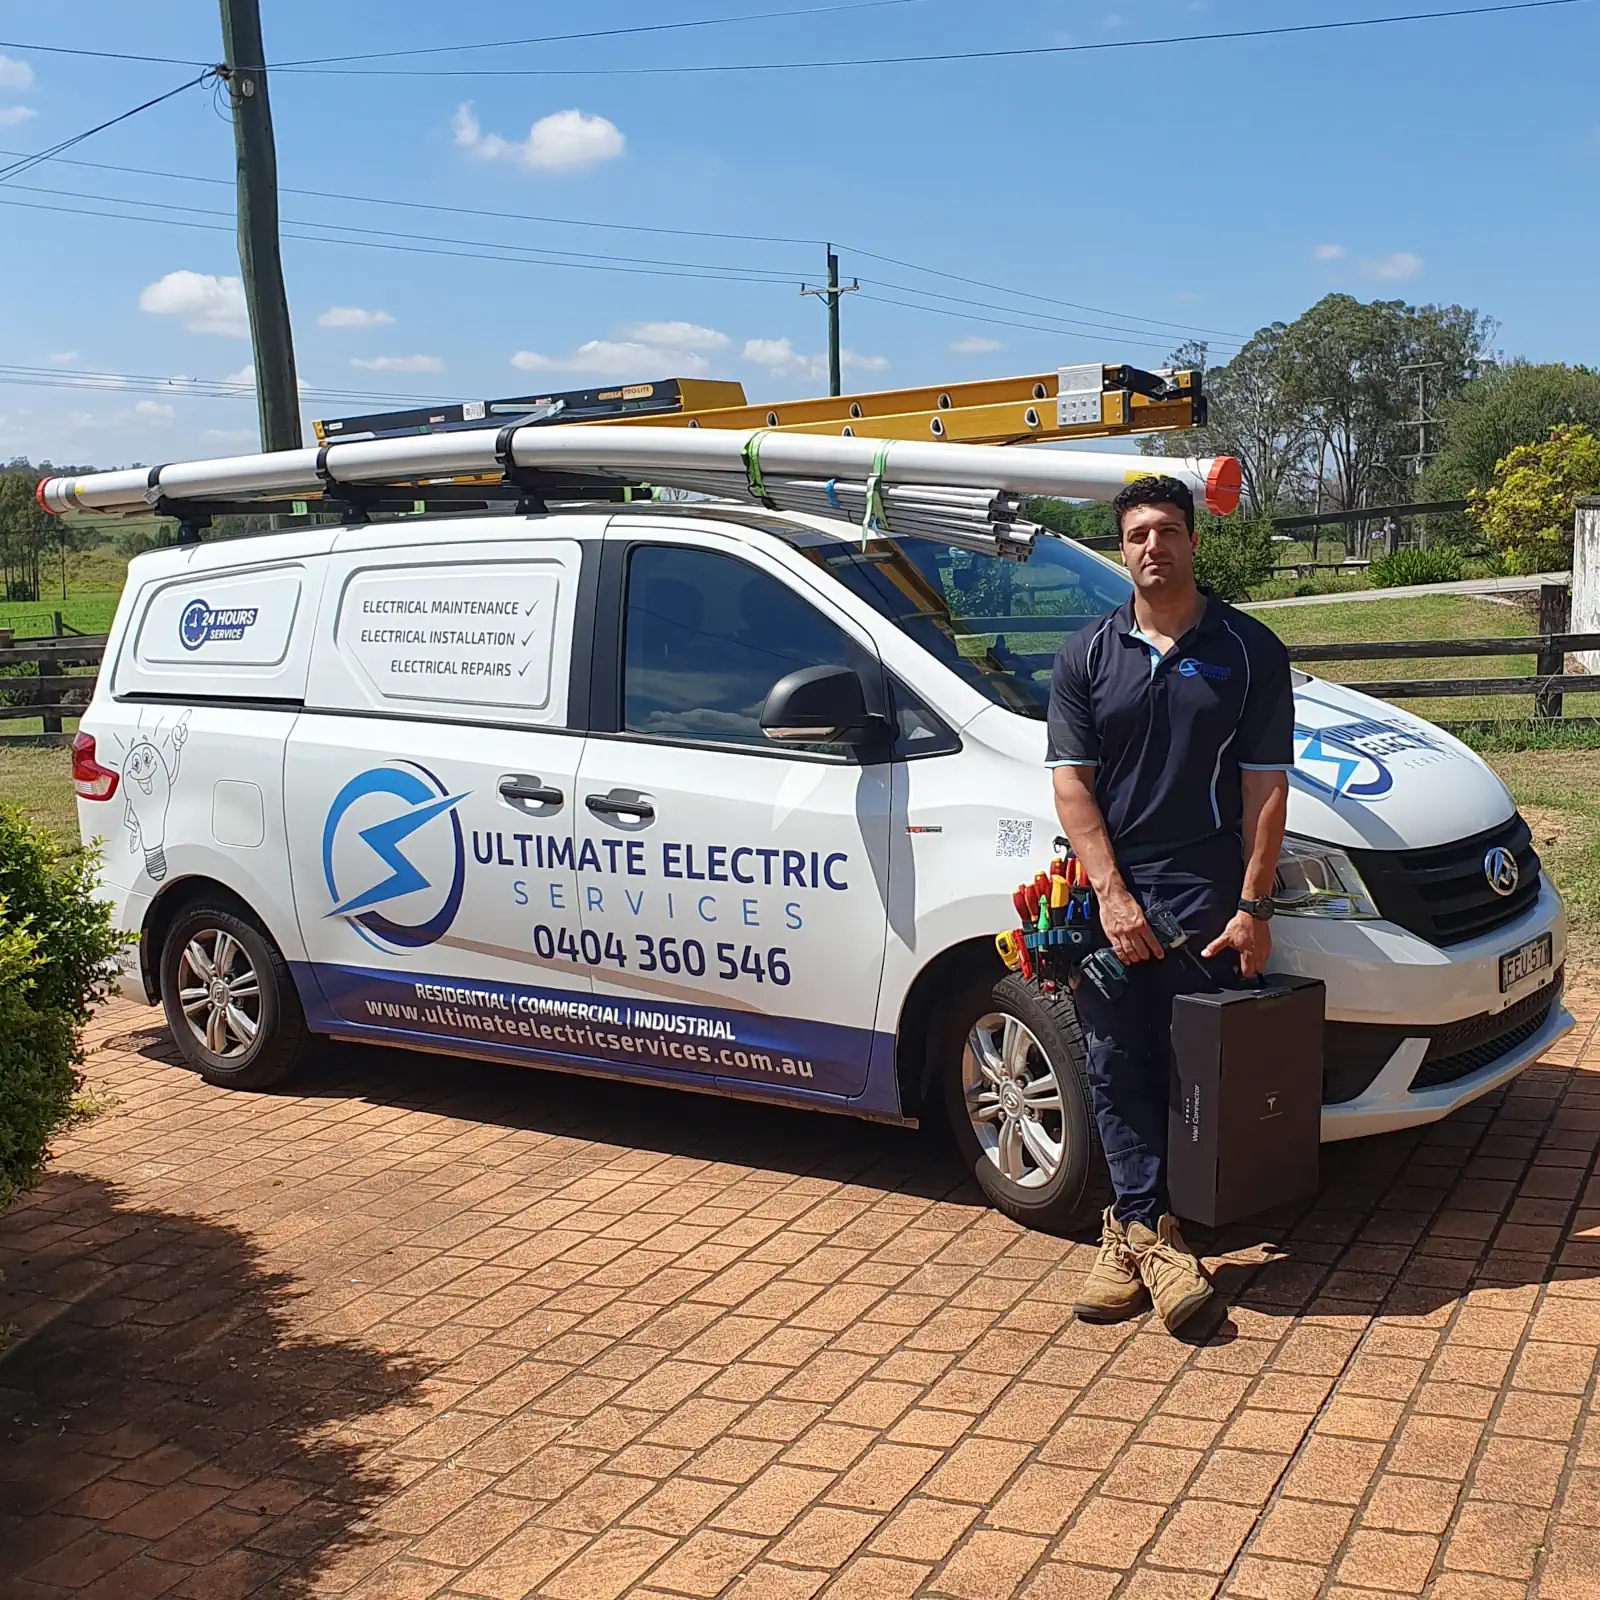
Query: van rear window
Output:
(240,619)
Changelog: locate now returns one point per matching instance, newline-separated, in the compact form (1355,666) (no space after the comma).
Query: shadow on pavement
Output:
(157,1411)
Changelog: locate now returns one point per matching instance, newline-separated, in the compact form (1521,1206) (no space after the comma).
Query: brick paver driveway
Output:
(428,1328)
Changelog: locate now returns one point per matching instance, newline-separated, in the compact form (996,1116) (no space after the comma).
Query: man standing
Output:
(1170,738)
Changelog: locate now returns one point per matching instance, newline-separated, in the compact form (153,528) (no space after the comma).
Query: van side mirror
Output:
(818,705)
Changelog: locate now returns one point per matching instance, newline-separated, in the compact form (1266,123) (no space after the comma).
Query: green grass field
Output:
(1434,616)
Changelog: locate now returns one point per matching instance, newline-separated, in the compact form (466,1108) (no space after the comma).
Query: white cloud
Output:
(15,116)
(616,358)
(353,317)
(15,74)
(244,377)
(1328,252)
(62,358)
(231,435)
(975,345)
(153,413)
(1186,297)
(673,335)
(1395,268)
(203,302)
(561,142)
(780,358)
(399,364)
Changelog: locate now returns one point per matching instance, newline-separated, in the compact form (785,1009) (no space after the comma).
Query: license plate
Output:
(1527,959)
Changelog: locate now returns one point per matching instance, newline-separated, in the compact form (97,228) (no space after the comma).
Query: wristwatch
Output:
(1261,909)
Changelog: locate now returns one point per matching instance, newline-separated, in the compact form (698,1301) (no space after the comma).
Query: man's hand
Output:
(1130,935)
(1250,936)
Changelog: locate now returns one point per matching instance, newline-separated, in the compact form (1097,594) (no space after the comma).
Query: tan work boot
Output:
(1112,1290)
(1168,1270)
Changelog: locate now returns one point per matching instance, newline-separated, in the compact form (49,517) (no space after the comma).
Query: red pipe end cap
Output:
(1223,485)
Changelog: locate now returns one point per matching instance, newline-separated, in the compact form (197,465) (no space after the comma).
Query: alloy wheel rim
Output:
(1013,1100)
(219,990)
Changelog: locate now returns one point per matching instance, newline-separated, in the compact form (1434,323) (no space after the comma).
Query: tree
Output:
(1346,366)
(1518,403)
(1325,401)
(1251,418)
(27,533)
(1527,511)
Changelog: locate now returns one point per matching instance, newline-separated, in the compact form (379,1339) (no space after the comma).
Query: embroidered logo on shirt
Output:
(1191,668)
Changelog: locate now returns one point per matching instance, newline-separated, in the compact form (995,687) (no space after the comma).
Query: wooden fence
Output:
(55,695)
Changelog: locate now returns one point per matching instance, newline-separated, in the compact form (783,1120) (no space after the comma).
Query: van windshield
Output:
(996,623)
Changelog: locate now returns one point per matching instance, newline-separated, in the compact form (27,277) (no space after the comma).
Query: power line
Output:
(598,33)
(17,168)
(487,44)
(623,227)
(1015,53)
(519,255)
(1025,294)
(1003,322)
(522,259)
(87,380)
(464,211)
(536,252)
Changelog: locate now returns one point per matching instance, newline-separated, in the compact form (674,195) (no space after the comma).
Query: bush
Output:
(58,952)
(1438,564)
(1234,556)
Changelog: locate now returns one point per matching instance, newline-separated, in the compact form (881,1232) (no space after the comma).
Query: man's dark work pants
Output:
(1130,1041)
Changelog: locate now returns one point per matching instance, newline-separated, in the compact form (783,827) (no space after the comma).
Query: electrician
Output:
(1170,741)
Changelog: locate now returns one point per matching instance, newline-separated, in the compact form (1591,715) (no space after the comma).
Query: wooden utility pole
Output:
(277,392)
(830,297)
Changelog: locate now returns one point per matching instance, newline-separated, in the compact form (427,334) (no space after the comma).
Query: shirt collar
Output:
(1211,619)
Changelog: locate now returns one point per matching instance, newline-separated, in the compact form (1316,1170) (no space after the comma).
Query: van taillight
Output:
(89,778)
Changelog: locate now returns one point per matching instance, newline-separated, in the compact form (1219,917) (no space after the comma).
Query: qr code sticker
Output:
(1013,839)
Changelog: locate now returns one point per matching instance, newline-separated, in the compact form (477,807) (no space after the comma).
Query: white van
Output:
(725,800)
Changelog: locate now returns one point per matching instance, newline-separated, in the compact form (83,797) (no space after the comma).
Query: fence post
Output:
(55,625)
(1554,607)
(47,664)
(1586,576)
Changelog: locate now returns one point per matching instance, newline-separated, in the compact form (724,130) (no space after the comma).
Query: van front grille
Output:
(1443,894)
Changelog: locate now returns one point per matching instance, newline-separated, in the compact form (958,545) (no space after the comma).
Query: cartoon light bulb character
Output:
(149,771)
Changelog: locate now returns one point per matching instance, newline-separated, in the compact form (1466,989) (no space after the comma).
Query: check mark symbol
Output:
(529,640)
(523,669)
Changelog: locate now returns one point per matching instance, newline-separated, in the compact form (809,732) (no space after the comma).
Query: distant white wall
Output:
(1586,577)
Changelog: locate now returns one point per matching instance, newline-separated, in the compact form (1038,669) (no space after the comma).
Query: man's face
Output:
(1158,549)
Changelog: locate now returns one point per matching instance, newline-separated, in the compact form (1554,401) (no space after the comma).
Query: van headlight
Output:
(1316,880)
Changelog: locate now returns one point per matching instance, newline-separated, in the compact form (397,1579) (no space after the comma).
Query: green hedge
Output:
(58,953)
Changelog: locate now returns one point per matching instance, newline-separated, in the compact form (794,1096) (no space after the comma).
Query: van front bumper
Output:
(1383,982)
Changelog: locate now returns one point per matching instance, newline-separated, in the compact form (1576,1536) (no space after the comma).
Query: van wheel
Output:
(229,999)
(1012,1062)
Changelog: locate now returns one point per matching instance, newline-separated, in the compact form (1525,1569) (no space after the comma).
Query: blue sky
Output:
(1216,186)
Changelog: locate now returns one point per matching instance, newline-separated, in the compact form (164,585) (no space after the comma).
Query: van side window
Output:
(706,638)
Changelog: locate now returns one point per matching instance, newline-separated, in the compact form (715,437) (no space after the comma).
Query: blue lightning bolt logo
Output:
(1314,753)
(385,839)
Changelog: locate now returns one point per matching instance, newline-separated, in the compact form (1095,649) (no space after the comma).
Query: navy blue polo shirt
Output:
(1169,735)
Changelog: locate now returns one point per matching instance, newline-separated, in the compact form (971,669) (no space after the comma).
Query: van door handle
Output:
(624,804)
(521,791)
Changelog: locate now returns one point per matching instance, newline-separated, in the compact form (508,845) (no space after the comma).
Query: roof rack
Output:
(963,494)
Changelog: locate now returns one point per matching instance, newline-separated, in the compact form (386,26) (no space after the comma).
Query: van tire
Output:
(265,997)
(1071,1199)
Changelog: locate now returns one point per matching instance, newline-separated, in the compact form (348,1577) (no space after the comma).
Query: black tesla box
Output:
(1244,1126)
